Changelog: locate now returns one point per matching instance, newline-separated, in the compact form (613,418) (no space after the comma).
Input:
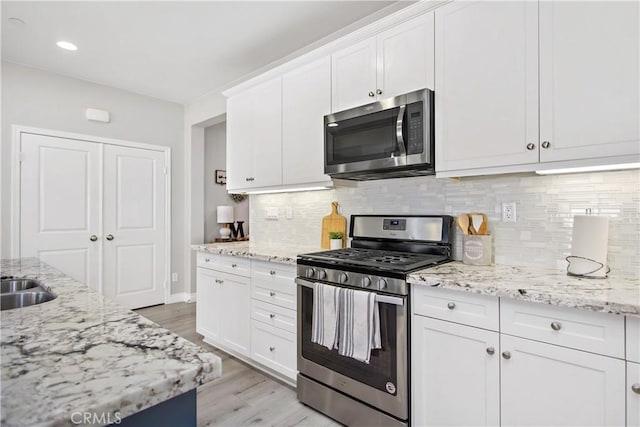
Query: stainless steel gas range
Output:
(384,249)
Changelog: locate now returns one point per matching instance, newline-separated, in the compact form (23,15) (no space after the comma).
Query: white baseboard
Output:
(181,297)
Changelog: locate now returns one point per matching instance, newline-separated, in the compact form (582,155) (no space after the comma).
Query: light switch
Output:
(272,213)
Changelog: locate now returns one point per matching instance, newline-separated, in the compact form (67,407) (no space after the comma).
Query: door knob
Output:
(109,237)
(93,238)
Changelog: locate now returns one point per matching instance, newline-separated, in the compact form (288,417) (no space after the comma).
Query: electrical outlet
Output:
(509,212)
(272,213)
(174,277)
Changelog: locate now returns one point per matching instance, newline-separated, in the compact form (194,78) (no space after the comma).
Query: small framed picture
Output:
(221,177)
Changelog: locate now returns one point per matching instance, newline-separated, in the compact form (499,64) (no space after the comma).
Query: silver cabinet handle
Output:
(506,355)
(272,272)
(451,305)
(93,238)
(491,350)
(546,144)
(109,237)
(271,316)
(635,388)
(531,146)
(272,294)
(272,348)
(371,94)
(556,326)
(379,92)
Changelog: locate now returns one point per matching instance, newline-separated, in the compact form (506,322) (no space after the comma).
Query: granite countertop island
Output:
(618,295)
(281,254)
(82,353)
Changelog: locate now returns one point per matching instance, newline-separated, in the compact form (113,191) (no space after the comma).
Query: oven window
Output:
(382,368)
(363,138)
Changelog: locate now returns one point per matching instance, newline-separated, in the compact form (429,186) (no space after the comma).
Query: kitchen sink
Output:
(18,293)
(15,285)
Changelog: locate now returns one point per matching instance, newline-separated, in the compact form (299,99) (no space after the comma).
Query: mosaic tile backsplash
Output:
(545,206)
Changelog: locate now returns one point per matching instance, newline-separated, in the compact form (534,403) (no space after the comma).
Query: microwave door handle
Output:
(399,135)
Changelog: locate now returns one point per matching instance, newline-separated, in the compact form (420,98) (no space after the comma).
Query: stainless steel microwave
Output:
(391,138)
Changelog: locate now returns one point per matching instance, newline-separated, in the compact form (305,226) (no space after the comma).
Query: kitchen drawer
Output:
(633,339)
(279,290)
(271,272)
(456,306)
(274,315)
(569,327)
(228,264)
(274,348)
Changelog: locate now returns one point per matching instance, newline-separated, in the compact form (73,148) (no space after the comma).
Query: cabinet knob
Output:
(531,146)
(207,259)
(234,265)
(546,144)
(249,178)
(371,94)
(635,388)
(272,294)
(506,355)
(93,238)
(109,237)
(272,316)
(491,350)
(379,92)
(451,305)
(272,348)
(556,326)
(272,272)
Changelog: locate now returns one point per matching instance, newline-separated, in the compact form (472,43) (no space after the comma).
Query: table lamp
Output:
(225,217)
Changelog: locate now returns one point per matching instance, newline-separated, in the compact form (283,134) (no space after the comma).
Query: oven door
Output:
(383,383)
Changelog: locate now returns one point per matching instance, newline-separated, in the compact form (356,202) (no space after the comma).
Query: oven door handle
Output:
(384,299)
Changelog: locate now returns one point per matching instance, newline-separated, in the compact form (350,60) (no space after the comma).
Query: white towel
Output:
(324,323)
(359,322)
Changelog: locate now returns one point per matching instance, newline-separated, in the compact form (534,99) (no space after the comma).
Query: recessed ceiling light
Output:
(16,21)
(66,45)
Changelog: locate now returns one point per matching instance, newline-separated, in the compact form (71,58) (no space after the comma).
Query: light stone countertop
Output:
(619,295)
(82,352)
(281,254)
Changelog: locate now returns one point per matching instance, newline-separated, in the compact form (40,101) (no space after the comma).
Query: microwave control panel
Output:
(415,128)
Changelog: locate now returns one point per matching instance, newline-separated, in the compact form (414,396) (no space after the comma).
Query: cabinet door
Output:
(589,85)
(306,99)
(455,374)
(353,75)
(208,306)
(486,84)
(633,394)
(544,384)
(235,312)
(254,137)
(405,56)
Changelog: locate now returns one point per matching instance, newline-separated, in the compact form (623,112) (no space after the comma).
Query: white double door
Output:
(96,212)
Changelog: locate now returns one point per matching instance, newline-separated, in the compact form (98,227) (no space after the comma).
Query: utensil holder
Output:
(477,249)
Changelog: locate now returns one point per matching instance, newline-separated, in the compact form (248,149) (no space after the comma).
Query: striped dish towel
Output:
(324,323)
(359,323)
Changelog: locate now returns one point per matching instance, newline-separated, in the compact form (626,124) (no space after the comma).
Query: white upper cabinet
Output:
(306,99)
(391,63)
(486,93)
(589,79)
(254,137)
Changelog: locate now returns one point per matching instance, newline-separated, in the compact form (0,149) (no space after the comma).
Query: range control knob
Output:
(366,281)
(310,272)
(343,277)
(322,274)
(382,284)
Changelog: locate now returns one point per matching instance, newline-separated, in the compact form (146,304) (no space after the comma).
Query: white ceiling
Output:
(176,51)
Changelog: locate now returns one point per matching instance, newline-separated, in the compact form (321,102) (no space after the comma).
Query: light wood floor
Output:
(242,396)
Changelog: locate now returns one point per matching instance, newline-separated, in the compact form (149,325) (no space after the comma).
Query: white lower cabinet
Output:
(545,384)
(274,348)
(455,374)
(633,394)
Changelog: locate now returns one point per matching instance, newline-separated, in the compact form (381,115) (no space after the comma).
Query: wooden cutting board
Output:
(333,222)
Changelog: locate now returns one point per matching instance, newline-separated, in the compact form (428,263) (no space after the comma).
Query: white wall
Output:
(45,100)
(215,158)
(545,206)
